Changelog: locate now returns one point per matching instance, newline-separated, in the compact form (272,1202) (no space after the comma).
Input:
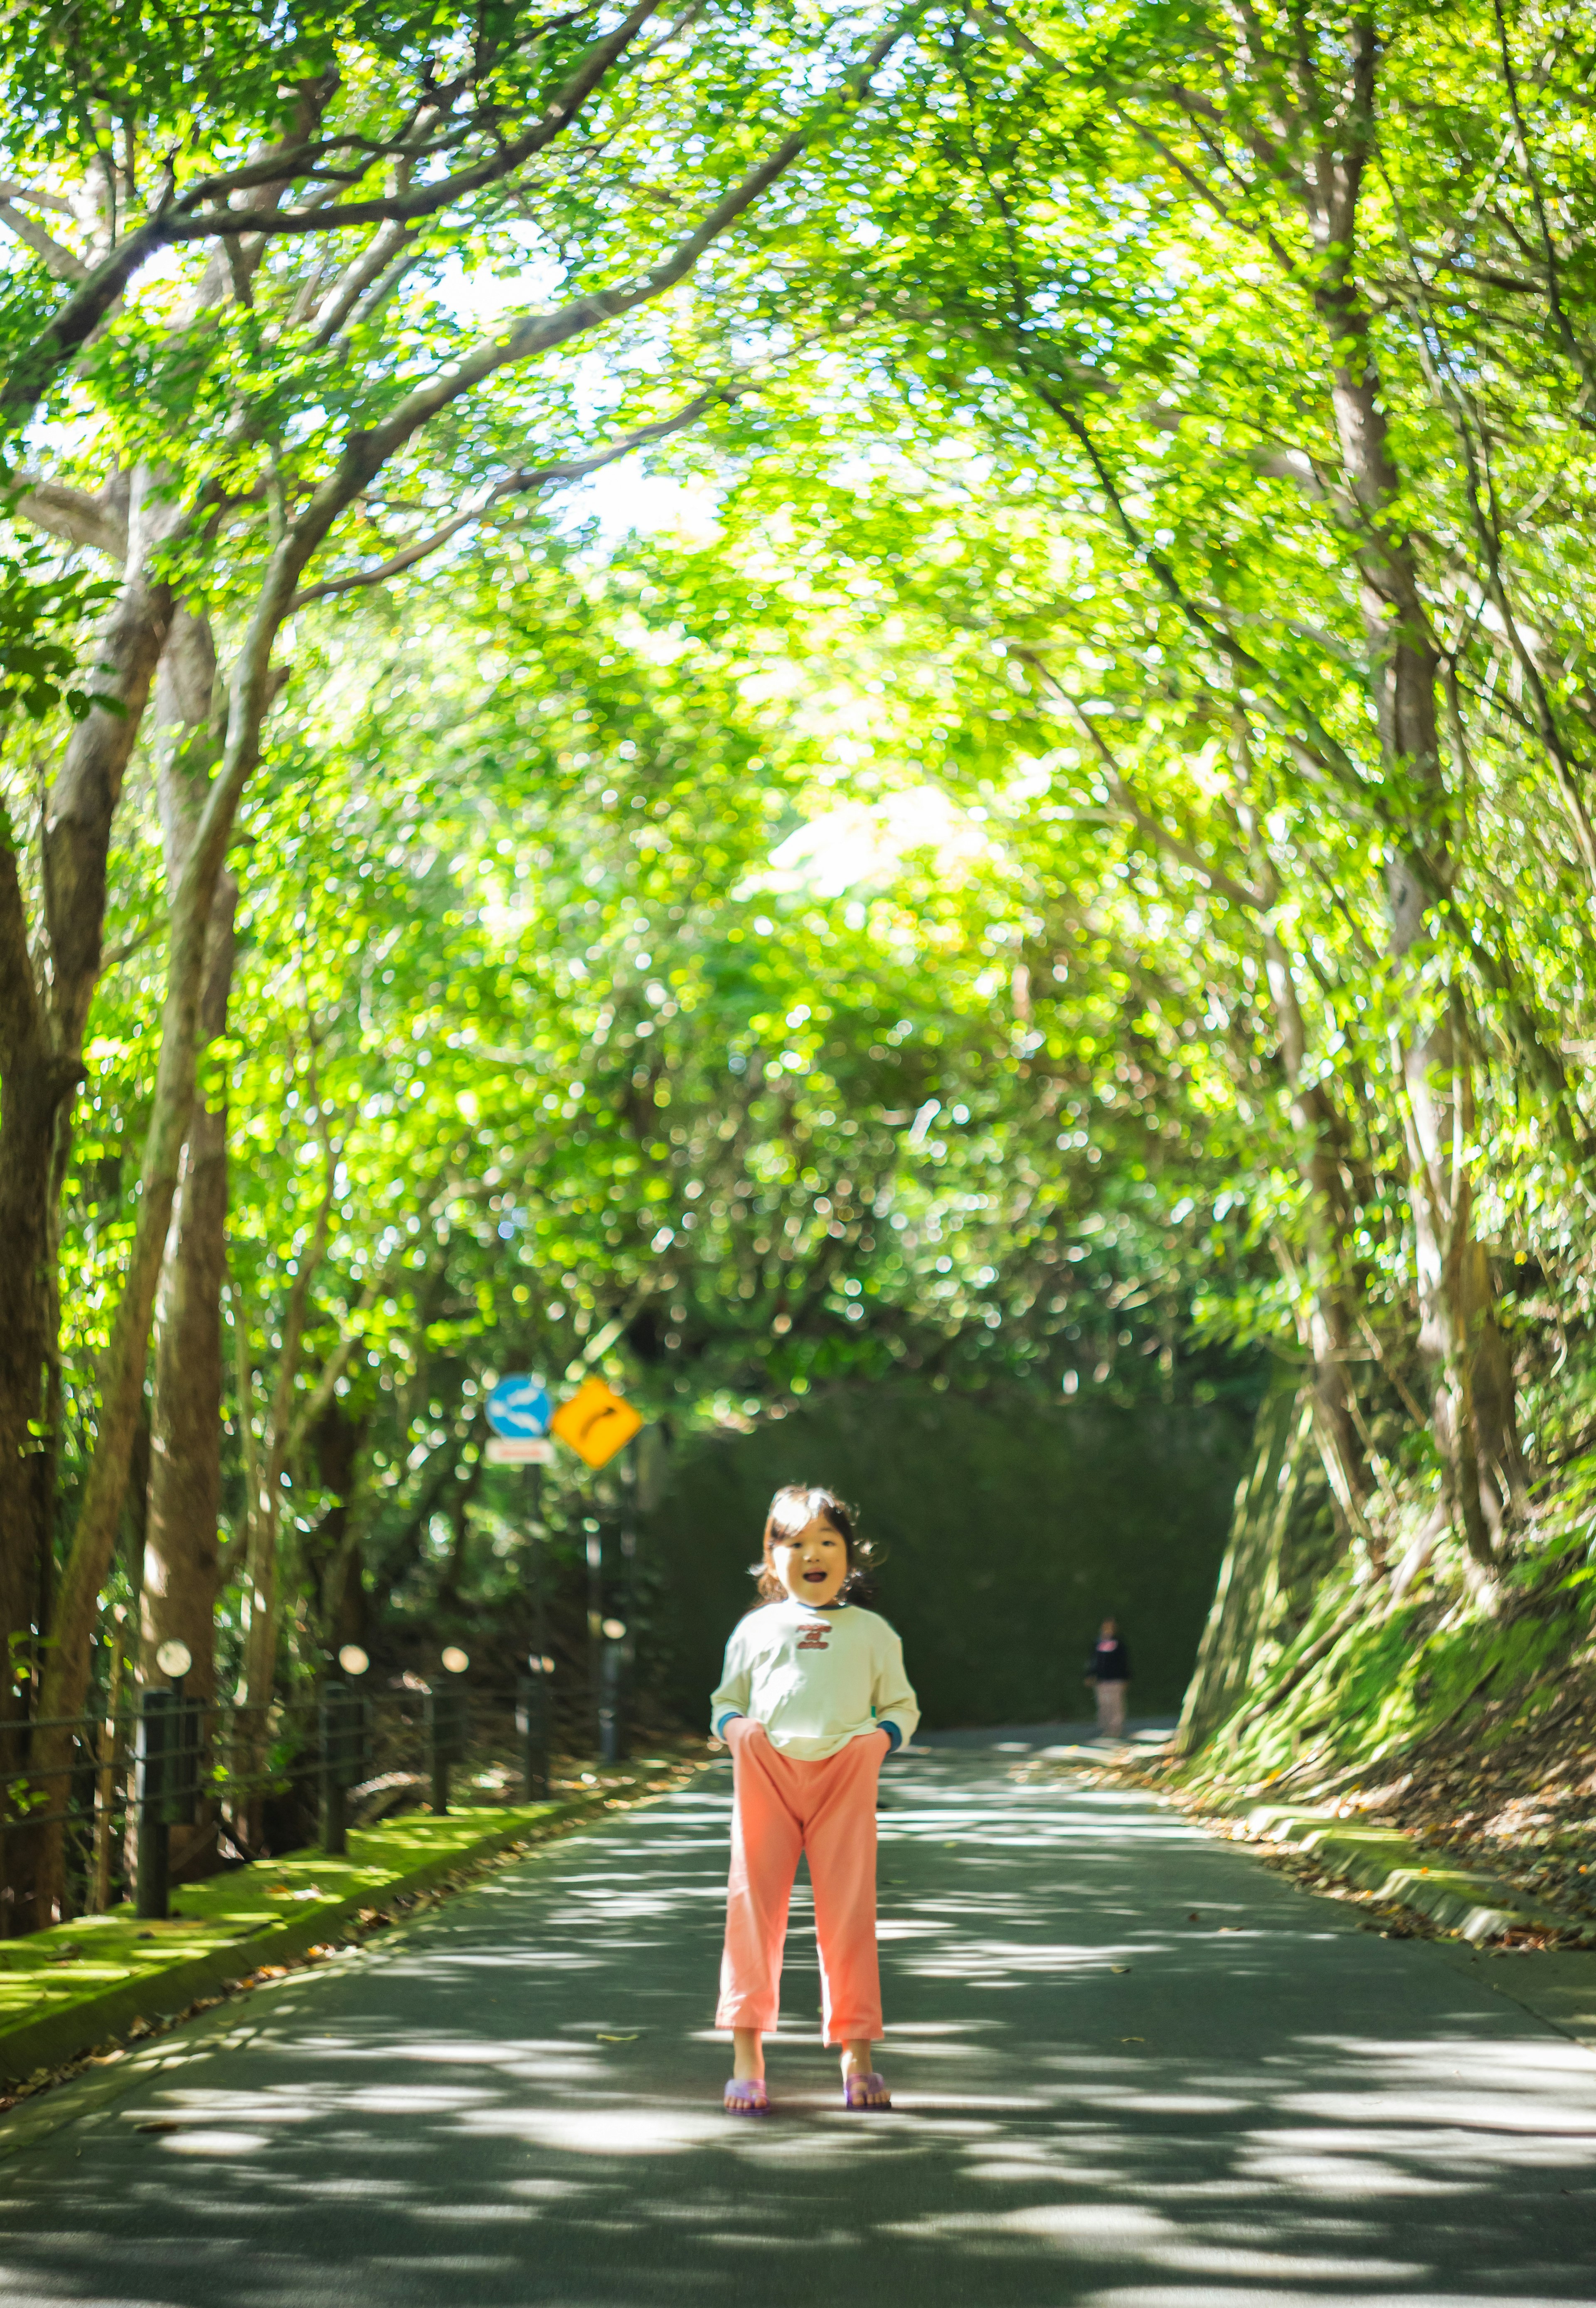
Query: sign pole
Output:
(539,1632)
(539,1627)
(629,1591)
(596,1424)
(519,1411)
(595,1553)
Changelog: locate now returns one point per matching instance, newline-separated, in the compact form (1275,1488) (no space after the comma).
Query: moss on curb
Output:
(1394,1869)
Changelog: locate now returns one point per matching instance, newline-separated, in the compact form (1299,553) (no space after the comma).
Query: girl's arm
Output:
(897,1709)
(731,1693)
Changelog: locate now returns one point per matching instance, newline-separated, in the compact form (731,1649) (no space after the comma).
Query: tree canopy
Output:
(1060,849)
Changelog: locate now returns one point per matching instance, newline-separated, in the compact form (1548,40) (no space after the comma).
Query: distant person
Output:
(1108,1671)
(812,1701)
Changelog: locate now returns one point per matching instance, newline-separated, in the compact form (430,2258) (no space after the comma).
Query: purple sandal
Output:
(854,2089)
(746,2096)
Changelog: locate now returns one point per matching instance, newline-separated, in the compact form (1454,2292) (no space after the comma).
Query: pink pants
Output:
(828,1810)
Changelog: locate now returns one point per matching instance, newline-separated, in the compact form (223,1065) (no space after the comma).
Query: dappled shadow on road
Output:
(1131,2068)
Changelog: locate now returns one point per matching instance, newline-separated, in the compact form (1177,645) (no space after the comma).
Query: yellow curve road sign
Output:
(596,1423)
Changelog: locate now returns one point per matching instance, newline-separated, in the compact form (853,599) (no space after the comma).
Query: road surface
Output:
(1132,2068)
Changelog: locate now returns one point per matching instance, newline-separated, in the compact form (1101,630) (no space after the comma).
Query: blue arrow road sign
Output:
(520,1406)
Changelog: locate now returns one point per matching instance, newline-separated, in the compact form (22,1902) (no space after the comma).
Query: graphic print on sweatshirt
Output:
(814,1679)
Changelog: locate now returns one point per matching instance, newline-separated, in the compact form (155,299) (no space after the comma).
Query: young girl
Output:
(812,1699)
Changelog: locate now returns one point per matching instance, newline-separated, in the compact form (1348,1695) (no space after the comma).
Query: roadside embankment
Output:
(1393,1719)
(1436,1750)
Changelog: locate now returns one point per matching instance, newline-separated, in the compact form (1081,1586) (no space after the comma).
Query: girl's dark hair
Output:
(794,1507)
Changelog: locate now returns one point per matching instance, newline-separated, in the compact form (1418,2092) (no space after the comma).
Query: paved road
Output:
(1133,2069)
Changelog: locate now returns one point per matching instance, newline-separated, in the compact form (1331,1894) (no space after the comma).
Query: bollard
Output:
(345,1734)
(531,1722)
(446,1719)
(159,1717)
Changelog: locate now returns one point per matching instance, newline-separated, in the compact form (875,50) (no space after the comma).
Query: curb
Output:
(1383,1861)
(59,2037)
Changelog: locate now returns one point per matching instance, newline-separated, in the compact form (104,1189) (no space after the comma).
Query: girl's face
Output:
(812,1564)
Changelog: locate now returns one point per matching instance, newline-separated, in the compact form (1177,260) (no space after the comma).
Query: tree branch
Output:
(429,198)
(1212,877)
(1309,741)
(10,189)
(320,1396)
(366,452)
(341,300)
(173,220)
(73,514)
(521,484)
(63,262)
(30,373)
(1571,344)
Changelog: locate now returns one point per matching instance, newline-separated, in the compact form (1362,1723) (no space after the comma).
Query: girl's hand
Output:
(738,1729)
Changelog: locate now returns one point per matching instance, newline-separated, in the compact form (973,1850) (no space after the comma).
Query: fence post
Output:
(343,1749)
(531,1721)
(158,1714)
(446,1729)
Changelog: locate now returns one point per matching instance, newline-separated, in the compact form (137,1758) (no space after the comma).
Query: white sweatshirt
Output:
(815,1679)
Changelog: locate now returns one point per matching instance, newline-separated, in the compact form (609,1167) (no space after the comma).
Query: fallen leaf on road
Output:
(1119,1966)
(620,2039)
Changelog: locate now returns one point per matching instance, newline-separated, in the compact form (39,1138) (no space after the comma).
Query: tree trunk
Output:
(278,1447)
(33,1086)
(66,1678)
(1459,1337)
(1457,1327)
(1331,1330)
(182,1557)
(125,1360)
(1249,1586)
(41,1062)
(260,1656)
(83,803)
(344,1604)
(335,1572)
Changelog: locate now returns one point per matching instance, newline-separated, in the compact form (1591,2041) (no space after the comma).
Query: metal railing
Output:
(177,1760)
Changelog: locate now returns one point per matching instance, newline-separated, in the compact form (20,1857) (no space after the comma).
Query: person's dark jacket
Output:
(1109,1661)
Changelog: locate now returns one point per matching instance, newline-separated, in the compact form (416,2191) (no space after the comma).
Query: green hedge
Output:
(1009,1525)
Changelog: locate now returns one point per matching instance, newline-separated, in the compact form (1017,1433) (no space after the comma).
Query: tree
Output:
(1184,332)
(301,385)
